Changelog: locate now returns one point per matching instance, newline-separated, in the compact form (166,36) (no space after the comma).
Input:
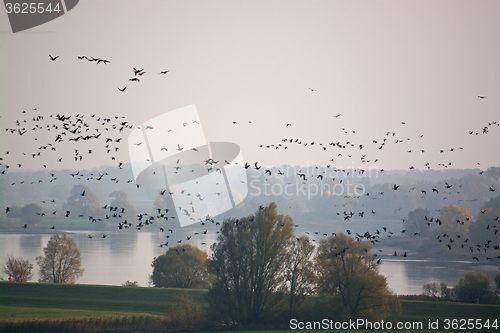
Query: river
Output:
(127,255)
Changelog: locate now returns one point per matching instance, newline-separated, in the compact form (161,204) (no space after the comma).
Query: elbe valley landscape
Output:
(269,166)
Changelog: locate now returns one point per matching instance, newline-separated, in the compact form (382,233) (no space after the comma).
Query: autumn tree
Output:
(18,268)
(248,265)
(299,272)
(160,203)
(83,202)
(348,275)
(475,288)
(454,220)
(120,200)
(183,266)
(61,262)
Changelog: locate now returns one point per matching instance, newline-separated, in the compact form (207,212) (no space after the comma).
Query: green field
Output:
(40,300)
(29,301)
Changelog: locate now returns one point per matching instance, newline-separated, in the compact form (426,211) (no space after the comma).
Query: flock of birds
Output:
(138,73)
(87,134)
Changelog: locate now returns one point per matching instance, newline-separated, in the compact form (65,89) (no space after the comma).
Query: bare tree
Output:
(431,289)
(62,261)
(18,268)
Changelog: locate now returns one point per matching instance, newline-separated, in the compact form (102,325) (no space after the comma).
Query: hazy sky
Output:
(376,63)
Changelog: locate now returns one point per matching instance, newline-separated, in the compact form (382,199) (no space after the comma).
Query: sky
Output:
(260,72)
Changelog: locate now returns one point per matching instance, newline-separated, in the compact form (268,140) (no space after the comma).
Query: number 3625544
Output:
(31,8)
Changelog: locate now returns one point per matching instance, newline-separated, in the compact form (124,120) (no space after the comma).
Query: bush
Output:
(75,325)
(183,266)
(186,313)
(434,290)
(129,283)
(474,288)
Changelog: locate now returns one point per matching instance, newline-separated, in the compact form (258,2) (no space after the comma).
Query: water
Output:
(121,256)
(128,254)
(406,277)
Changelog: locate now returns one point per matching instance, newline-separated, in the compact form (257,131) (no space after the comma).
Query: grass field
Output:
(29,301)
(66,300)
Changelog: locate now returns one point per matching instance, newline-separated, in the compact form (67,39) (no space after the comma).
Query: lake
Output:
(127,255)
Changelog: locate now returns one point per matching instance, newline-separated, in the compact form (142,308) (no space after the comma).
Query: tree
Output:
(183,266)
(120,201)
(452,223)
(493,172)
(18,268)
(482,230)
(160,203)
(349,275)
(455,220)
(474,288)
(431,289)
(248,266)
(29,213)
(417,222)
(61,262)
(436,290)
(83,202)
(299,272)
(444,291)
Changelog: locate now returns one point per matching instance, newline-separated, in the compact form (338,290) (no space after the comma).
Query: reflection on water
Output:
(127,255)
(406,277)
(121,256)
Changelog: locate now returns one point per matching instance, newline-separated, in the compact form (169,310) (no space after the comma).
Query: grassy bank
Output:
(40,300)
(51,302)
